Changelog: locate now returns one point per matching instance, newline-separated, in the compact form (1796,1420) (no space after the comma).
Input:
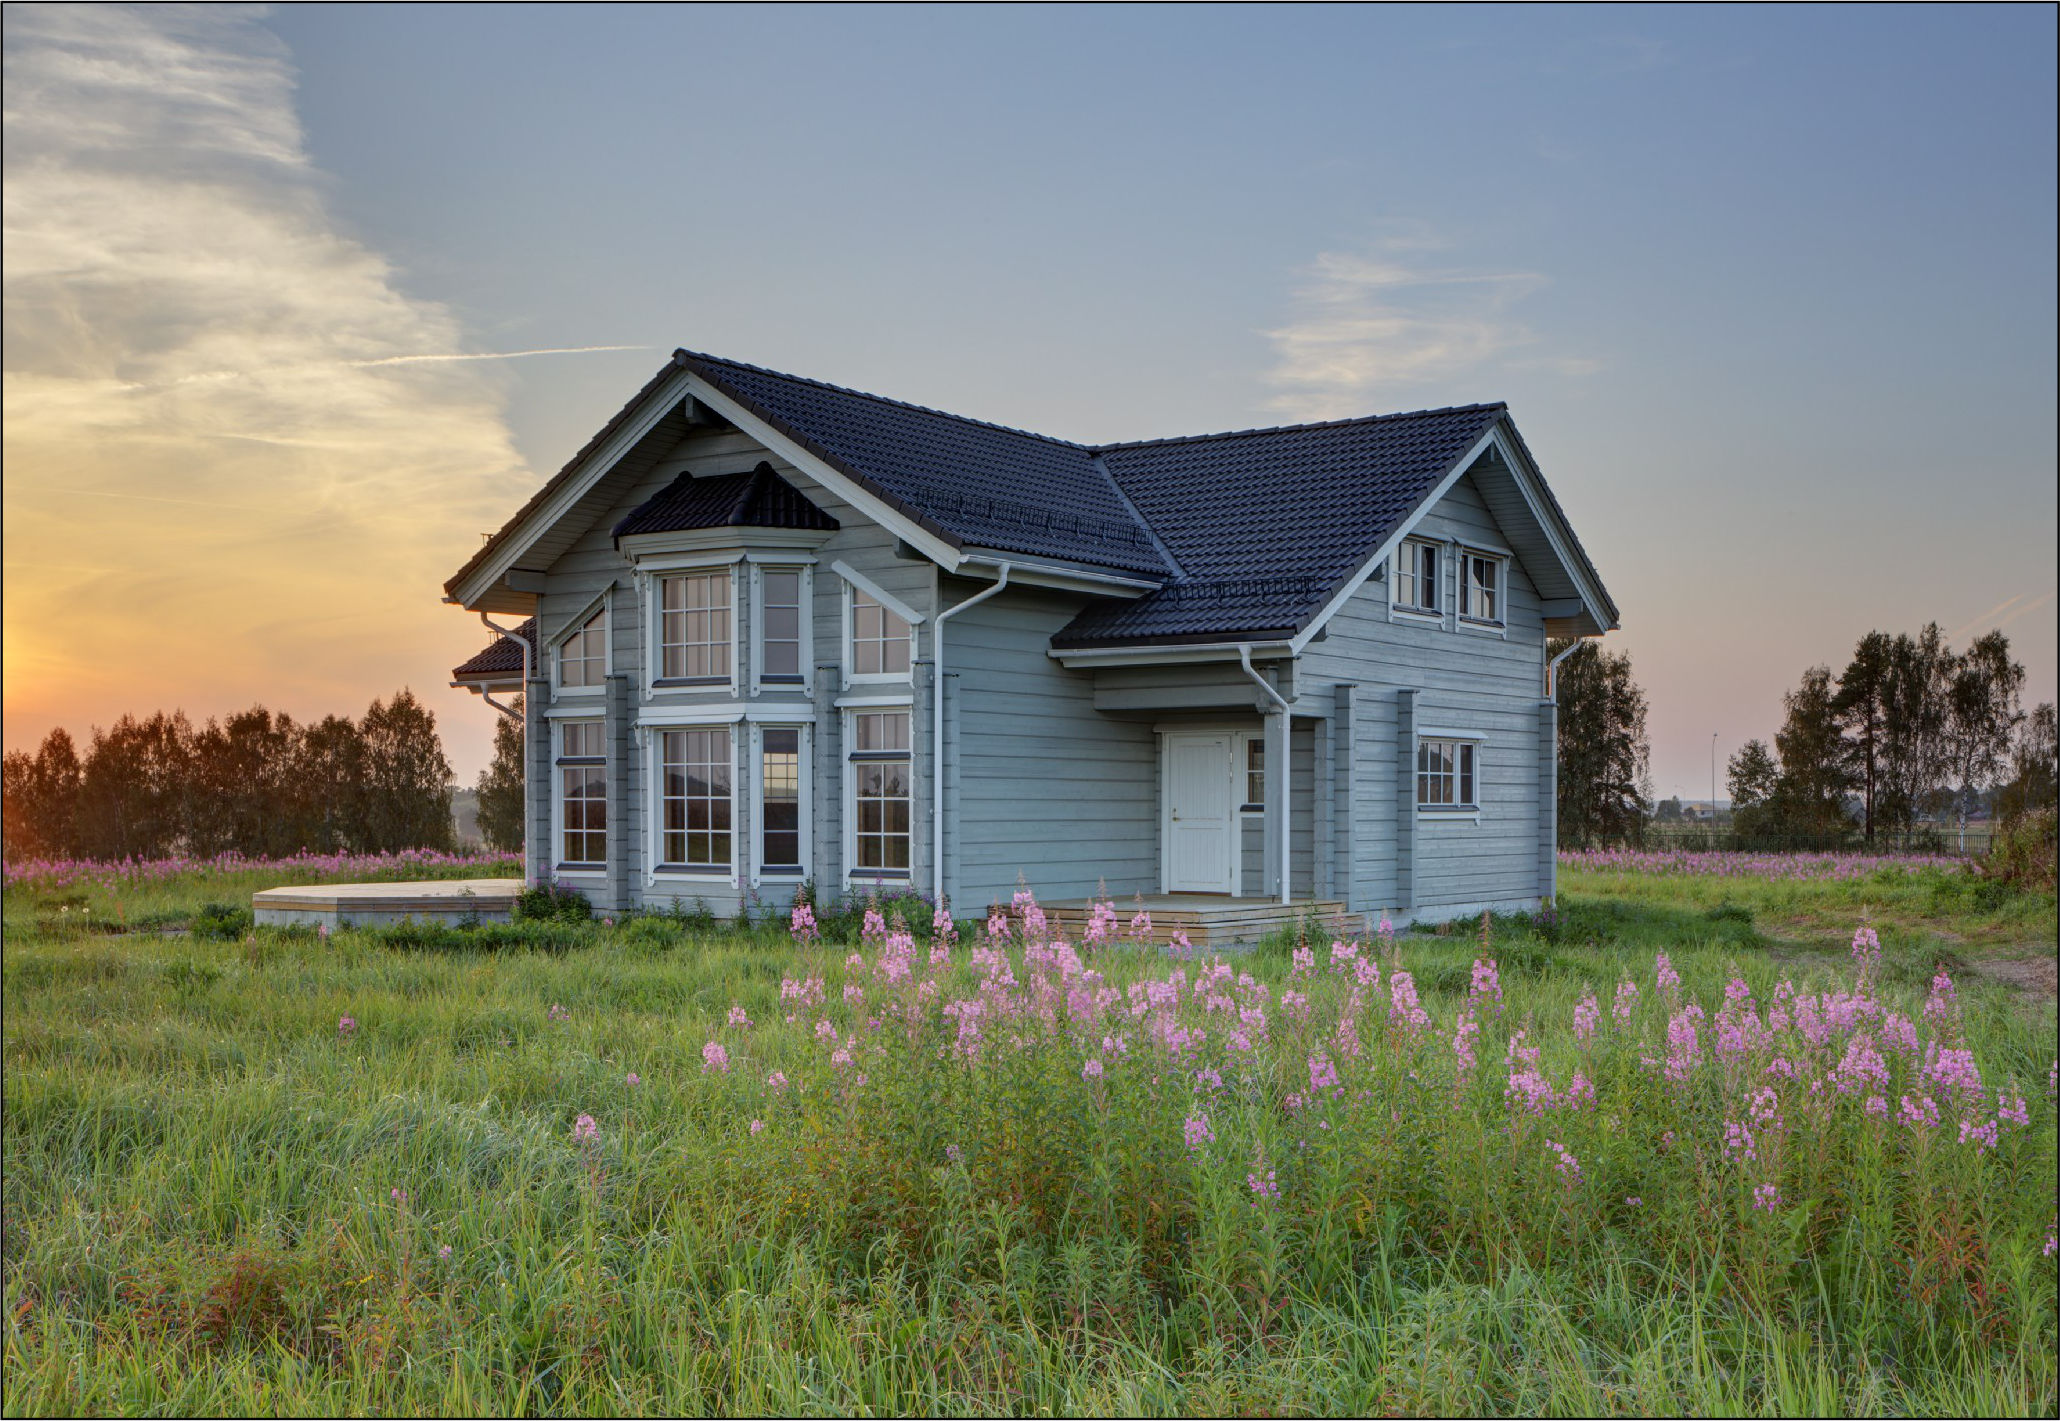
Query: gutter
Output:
(1283,774)
(528,809)
(945,614)
(1552,666)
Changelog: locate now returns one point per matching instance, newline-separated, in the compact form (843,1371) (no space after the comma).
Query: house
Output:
(774,631)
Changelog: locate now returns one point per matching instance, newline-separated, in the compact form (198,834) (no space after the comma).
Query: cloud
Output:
(1370,327)
(266,421)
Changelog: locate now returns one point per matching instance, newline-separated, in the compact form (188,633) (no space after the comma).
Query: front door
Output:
(1201,818)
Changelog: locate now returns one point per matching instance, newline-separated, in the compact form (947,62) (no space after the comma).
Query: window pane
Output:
(696,784)
(694,625)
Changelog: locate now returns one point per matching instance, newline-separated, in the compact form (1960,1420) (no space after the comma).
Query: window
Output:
(694,792)
(1255,774)
(880,793)
(779,799)
(779,625)
(694,627)
(1445,774)
(879,638)
(1480,588)
(583,792)
(1416,577)
(583,656)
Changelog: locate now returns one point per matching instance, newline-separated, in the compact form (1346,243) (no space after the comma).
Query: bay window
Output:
(694,798)
(781,623)
(779,800)
(694,628)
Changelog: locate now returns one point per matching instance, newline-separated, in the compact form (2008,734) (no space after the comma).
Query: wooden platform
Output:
(1213,923)
(337,905)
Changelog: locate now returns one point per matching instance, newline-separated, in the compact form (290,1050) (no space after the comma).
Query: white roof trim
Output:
(597,464)
(879,594)
(838,482)
(1150,654)
(1526,478)
(577,620)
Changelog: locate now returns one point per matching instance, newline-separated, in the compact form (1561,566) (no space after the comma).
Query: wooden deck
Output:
(1212,922)
(336,905)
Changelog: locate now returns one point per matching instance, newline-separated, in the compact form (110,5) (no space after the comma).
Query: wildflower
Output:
(2013,1109)
(1634,1201)
(1866,948)
(1403,1010)
(756,1126)
(1568,1166)
(1487,981)
(1141,926)
(347,1026)
(1982,1136)
(1767,1196)
(1263,1186)
(607,922)
(585,1131)
(1919,1117)
(1586,1015)
(1322,1074)
(444,1253)
(873,931)
(1197,1131)
(398,1195)
(635,1079)
(322,931)
(1943,1001)
(2052,1240)
(738,1019)
(954,1154)
(997,925)
(1739,1144)
(1877,1106)
(777,1082)
(1180,947)
(557,1013)
(1664,975)
(1092,1071)
(714,1057)
(1627,1000)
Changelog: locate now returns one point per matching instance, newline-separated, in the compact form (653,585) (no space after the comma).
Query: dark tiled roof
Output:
(1268,523)
(759,499)
(977,484)
(501,657)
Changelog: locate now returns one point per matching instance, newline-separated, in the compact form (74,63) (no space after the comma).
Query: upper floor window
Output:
(879,638)
(781,614)
(1445,774)
(1480,588)
(583,656)
(1416,576)
(694,627)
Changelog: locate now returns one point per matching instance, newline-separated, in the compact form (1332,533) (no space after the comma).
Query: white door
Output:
(1201,818)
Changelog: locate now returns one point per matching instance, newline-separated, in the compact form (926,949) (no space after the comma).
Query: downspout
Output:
(937,726)
(1283,775)
(528,809)
(1552,666)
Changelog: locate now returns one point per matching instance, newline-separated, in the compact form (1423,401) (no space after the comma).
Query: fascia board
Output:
(858,495)
(1528,483)
(664,398)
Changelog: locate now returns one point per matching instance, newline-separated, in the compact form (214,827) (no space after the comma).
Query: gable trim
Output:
(879,594)
(577,620)
(858,493)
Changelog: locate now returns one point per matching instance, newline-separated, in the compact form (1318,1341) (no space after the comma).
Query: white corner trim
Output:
(879,594)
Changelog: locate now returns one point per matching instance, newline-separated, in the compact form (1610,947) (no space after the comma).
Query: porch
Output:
(1212,922)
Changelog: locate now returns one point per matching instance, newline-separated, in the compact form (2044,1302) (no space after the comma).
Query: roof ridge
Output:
(1100,449)
(879,399)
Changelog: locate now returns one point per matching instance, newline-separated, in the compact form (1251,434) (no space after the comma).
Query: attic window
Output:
(1480,588)
(1416,577)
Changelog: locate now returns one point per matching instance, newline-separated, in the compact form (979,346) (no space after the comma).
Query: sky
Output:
(299,303)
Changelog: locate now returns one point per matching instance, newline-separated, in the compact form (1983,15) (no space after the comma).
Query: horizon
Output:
(300,304)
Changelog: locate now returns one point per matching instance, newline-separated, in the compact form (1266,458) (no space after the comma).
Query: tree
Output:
(1752,775)
(329,787)
(2033,767)
(1668,811)
(134,788)
(407,780)
(1603,752)
(501,803)
(41,796)
(1809,796)
(1860,705)
(1984,713)
(1915,713)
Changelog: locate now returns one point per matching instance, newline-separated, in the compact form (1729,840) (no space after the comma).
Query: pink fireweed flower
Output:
(1738,1142)
(1922,1116)
(738,1019)
(1462,1045)
(1141,926)
(1569,1167)
(2052,1240)
(1092,1071)
(756,1126)
(1899,1034)
(2011,1107)
(1262,1186)
(1634,1201)
(1322,1074)
(840,1058)
(1403,1010)
(801,924)
(997,924)
(1982,1135)
(714,1057)
(1179,946)
(322,931)
(1684,1048)
(1294,1004)
(1586,1015)
(1528,1091)
(1952,1070)
(1626,1002)
(1197,1131)
(1664,976)
(557,1013)
(444,1253)
(854,995)
(873,930)
(1860,1067)
(398,1195)
(777,1082)
(635,1079)
(1866,949)
(1943,1002)
(1877,1106)
(1579,1092)
(585,1131)
(1302,962)
(1487,983)
(1767,1196)
(1207,1078)
(1386,931)
(347,1026)
(824,1031)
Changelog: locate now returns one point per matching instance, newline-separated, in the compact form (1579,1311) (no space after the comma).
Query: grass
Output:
(200,1212)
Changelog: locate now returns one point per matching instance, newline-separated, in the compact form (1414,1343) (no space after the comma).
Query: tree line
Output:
(257,783)
(1910,732)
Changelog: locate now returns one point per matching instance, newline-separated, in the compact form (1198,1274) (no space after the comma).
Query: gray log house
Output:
(780,631)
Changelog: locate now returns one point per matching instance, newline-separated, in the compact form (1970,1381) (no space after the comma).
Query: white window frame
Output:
(1467,741)
(802,567)
(654,623)
(759,871)
(560,865)
(853,579)
(854,875)
(1468,616)
(659,869)
(1399,610)
(597,608)
(1241,773)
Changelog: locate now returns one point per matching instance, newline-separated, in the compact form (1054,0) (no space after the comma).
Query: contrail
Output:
(495,355)
(2032,606)
(1982,620)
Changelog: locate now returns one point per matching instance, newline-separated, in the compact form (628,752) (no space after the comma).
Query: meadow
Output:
(1697,1141)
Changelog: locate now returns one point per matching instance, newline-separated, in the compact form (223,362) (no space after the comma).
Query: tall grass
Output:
(893,1181)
